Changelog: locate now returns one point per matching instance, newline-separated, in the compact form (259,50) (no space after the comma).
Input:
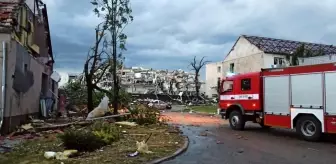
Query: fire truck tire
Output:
(236,120)
(309,128)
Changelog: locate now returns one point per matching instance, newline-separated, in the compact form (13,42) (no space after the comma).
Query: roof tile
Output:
(286,47)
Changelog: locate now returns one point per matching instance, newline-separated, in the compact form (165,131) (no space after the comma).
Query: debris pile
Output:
(37,129)
(60,155)
(100,110)
(142,147)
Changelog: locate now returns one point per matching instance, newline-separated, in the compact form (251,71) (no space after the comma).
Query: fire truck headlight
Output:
(253,105)
(228,105)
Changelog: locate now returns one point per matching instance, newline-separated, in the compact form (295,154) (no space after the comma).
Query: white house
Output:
(252,53)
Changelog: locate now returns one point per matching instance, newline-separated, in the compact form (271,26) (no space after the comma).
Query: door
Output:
(227,95)
(247,92)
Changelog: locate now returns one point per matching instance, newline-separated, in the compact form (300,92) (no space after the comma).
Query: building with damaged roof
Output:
(27,63)
(253,53)
(138,80)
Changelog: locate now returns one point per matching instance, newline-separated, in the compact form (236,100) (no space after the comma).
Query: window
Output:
(232,67)
(25,68)
(227,86)
(278,61)
(218,84)
(219,69)
(245,84)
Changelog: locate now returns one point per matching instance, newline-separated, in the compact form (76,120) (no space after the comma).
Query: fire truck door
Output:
(247,94)
(227,96)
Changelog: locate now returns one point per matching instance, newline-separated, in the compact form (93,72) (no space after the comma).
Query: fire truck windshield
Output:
(227,86)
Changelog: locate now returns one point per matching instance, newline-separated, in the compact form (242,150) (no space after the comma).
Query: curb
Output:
(178,152)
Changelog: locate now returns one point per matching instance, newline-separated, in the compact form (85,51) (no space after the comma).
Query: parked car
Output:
(161,105)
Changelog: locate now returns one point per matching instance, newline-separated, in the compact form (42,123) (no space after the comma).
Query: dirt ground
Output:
(212,141)
(193,119)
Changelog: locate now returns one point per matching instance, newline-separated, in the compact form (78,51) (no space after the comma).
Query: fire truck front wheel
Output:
(309,128)
(236,120)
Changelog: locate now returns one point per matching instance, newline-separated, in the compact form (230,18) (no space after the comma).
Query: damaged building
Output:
(29,82)
(138,80)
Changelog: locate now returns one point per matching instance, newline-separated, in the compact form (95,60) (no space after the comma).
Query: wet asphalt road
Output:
(213,142)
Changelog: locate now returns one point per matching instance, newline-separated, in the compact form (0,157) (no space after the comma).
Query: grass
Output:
(161,143)
(203,109)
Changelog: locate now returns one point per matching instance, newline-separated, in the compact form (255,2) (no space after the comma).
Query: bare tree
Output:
(95,66)
(117,14)
(196,67)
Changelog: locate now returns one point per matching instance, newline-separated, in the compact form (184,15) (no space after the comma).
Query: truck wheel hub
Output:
(308,128)
(234,120)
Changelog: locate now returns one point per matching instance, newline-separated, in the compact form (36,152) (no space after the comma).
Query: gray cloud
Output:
(167,34)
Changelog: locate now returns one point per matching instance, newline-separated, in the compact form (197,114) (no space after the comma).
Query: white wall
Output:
(269,59)
(242,48)
(318,60)
(211,76)
(246,58)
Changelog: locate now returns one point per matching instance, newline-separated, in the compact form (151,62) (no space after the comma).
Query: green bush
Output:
(107,132)
(81,140)
(124,97)
(142,115)
(96,136)
(76,91)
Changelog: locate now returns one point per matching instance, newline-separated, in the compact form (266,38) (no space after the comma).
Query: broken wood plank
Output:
(107,117)
(61,126)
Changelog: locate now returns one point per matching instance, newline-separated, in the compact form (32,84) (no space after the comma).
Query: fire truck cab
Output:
(298,97)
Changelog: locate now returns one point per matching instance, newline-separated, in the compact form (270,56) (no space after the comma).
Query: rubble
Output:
(60,155)
(36,129)
(142,146)
(100,110)
(203,134)
(126,123)
(27,126)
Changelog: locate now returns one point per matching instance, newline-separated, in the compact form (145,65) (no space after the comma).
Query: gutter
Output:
(3,83)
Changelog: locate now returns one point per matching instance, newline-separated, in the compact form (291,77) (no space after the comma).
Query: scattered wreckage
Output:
(159,104)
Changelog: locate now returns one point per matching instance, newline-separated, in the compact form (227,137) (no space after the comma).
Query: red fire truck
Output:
(298,97)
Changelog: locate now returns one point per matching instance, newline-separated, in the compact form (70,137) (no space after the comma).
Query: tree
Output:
(117,14)
(196,67)
(95,66)
(76,92)
(302,52)
(293,58)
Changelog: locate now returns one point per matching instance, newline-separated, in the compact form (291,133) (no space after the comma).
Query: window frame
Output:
(222,86)
(231,67)
(280,61)
(219,69)
(242,85)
